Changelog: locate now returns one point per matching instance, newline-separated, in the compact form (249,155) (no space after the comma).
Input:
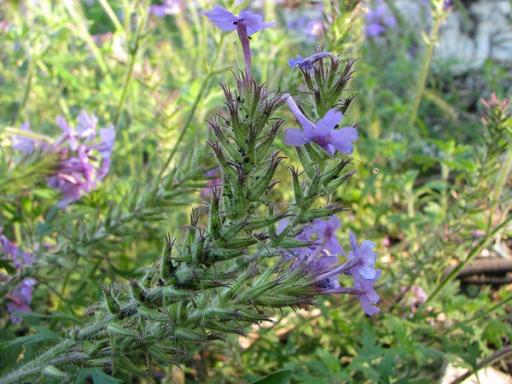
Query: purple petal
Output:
(297,61)
(21,143)
(343,139)
(86,125)
(295,137)
(222,18)
(306,125)
(327,123)
(254,22)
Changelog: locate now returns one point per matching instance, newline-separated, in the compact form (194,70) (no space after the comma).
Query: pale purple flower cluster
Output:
(85,155)
(379,19)
(167,7)
(325,133)
(321,259)
(322,253)
(20,298)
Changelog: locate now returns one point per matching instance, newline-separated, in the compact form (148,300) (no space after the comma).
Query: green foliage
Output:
(432,193)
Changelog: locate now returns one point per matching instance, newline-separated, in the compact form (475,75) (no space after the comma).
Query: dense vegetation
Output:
(290,193)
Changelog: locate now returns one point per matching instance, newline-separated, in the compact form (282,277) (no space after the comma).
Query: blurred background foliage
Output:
(425,190)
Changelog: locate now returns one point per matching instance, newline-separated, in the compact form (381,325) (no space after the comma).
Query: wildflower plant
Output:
(242,257)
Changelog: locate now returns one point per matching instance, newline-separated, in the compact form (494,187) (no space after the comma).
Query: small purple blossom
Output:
(306,64)
(20,298)
(25,144)
(168,7)
(19,257)
(325,132)
(305,25)
(214,180)
(227,21)
(322,236)
(79,173)
(362,260)
(246,24)
(379,19)
(322,255)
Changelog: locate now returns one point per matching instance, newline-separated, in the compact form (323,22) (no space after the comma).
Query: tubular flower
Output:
(362,261)
(325,132)
(20,298)
(246,24)
(307,63)
(321,257)
(19,257)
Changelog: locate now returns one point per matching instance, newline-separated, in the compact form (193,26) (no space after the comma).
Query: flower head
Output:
(20,298)
(321,256)
(362,261)
(227,21)
(307,63)
(168,7)
(246,25)
(379,19)
(19,257)
(85,155)
(324,133)
(25,144)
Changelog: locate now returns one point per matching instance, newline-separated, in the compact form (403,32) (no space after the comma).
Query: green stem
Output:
(189,118)
(424,70)
(471,255)
(499,187)
(133,55)
(496,356)
(26,91)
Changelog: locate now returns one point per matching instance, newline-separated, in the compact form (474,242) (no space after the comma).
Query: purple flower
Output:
(321,256)
(24,144)
(168,7)
(18,257)
(20,298)
(81,168)
(306,25)
(214,180)
(85,155)
(307,63)
(227,21)
(379,19)
(323,232)
(325,133)
(246,25)
(362,268)
(367,295)
(322,236)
